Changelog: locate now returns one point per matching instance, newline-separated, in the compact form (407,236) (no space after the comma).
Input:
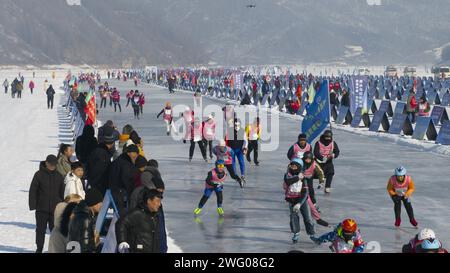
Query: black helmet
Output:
(308,155)
(328,133)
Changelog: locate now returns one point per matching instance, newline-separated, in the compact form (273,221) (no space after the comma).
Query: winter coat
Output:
(135,100)
(57,242)
(151,179)
(345,100)
(121,175)
(411,104)
(31,85)
(50,91)
(141,100)
(97,167)
(46,190)
(140,228)
(327,167)
(82,228)
(73,185)
(85,144)
(115,95)
(63,166)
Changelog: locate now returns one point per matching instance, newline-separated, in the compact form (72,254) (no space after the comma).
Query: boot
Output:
(398,222)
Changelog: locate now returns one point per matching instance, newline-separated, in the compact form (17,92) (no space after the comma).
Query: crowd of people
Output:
(17,86)
(134,97)
(68,190)
(67,194)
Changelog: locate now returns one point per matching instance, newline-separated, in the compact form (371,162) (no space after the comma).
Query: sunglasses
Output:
(220,165)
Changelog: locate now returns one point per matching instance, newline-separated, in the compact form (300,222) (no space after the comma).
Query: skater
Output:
(296,194)
(50,96)
(108,94)
(345,238)
(129,97)
(167,116)
(400,187)
(237,141)
(214,183)
(31,86)
(316,214)
(135,81)
(431,246)
(196,130)
(253,132)
(6,85)
(104,96)
(298,149)
(225,153)
(116,99)
(312,170)
(135,104)
(325,151)
(209,133)
(141,103)
(46,191)
(414,243)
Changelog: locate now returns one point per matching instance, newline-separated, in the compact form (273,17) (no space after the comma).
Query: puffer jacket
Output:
(46,190)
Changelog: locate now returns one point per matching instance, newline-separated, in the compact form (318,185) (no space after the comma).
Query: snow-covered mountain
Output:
(121,32)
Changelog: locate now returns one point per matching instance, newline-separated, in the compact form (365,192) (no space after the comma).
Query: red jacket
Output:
(141,101)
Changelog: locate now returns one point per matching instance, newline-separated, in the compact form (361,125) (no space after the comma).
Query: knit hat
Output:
(93,197)
(302,137)
(132,149)
(108,139)
(140,161)
(150,194)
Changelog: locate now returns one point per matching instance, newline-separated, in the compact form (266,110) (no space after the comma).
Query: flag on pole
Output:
(318,114)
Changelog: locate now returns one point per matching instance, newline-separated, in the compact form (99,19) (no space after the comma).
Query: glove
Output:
(184,141)
(296,208)
(124,247)
(301,176)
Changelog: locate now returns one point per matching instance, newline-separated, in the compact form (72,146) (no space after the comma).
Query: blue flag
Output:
(358,88)
(318,114)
